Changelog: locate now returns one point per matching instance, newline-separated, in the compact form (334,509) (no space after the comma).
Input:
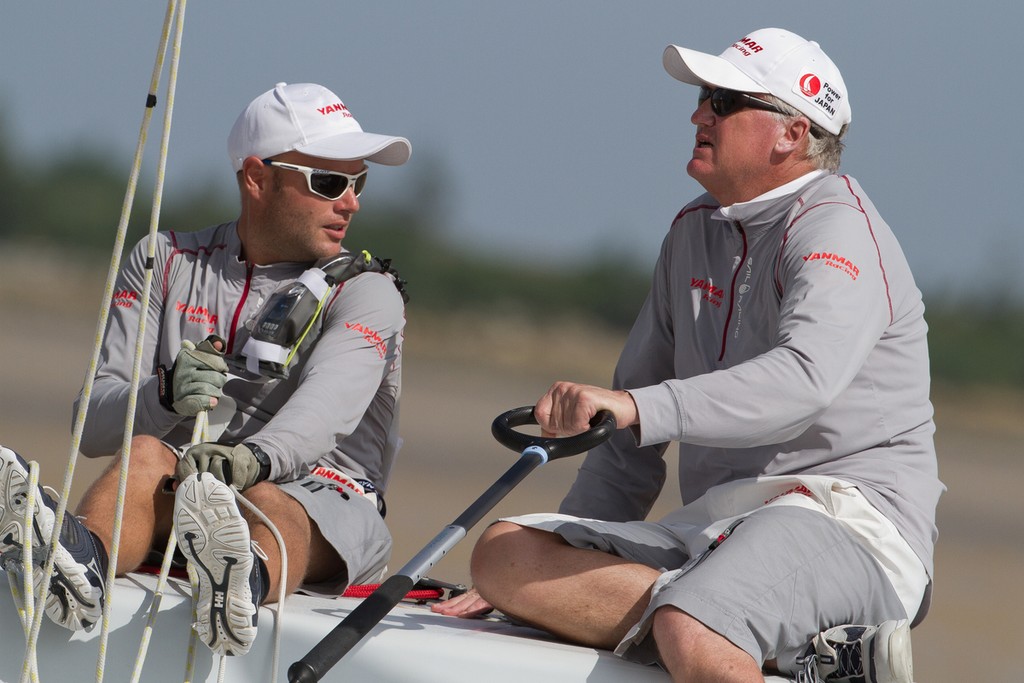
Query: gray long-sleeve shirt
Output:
(339,406)
(782,335)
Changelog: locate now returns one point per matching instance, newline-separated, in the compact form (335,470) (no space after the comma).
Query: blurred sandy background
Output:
(461,372)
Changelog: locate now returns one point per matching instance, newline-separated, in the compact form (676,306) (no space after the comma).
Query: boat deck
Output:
(412,644)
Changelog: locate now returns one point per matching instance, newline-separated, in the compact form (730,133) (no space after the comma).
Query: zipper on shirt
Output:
(732,290)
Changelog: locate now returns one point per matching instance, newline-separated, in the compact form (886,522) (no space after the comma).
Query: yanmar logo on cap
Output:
(821,94)
(747,46)
(337,107)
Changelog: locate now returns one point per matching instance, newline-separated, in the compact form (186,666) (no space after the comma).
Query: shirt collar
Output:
(743,211)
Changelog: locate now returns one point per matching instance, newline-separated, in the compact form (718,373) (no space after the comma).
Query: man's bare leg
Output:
(593,598)
(586,596)
(147,507)
(310,557)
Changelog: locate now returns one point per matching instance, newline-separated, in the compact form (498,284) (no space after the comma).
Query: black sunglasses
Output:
(725,101)
(328,184)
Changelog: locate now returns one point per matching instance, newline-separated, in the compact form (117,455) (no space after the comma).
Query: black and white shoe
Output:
(860,654)
(75,600)
(214,538)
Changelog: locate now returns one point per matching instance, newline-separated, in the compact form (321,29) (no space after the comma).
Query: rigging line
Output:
(140,338)
(23,612)
(122,228)
(199,434)
(30,664)
(193,635)
(282,588)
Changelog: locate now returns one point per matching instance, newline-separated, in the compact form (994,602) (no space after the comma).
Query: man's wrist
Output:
(165,384)
(262,458)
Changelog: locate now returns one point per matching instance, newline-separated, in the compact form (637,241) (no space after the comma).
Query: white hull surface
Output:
(411,645)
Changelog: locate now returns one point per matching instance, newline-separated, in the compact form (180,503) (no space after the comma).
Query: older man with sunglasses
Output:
(783,346)
(291,346)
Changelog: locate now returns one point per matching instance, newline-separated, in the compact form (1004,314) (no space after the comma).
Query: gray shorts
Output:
(785,574)
(351,524)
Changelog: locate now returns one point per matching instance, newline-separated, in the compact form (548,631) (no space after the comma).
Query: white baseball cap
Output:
(772,61)
(311,119)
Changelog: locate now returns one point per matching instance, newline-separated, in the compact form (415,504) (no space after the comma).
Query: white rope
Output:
(282,584)
(30,665)
(139,341)
(193,640)
(26,623)
(76,436)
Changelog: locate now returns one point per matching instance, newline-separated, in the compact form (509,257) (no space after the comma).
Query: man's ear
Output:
(253,176)
(795,132)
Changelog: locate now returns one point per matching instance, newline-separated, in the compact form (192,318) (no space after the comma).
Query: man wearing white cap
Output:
(783,346)
(310,442)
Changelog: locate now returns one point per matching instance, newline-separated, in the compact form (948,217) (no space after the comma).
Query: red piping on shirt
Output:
(782,250)
(874,239)
(732,290)
(699,207)
(238,309)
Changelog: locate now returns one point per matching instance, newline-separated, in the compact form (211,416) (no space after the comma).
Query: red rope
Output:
(364,591)
(357,591)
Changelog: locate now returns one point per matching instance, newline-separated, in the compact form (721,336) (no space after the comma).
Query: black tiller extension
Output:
(535,451)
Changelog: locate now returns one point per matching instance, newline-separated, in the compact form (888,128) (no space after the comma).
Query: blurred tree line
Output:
(73,204)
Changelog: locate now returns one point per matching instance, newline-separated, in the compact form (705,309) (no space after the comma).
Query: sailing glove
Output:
(243,465)
(199,372)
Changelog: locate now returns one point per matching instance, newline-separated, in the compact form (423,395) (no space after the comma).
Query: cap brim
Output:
(700,68)
(381,149)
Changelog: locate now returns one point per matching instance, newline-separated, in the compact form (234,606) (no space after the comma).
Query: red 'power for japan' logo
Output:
(810,85)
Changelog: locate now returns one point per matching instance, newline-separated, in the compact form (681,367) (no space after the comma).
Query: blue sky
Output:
(550,128)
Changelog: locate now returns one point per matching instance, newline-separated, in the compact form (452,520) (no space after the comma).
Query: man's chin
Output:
(697,169)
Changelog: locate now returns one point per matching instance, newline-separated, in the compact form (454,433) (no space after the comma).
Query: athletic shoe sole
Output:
(214,538)
(74,601)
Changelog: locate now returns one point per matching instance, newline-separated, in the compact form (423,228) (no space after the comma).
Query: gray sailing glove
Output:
(242,465)
(199,372)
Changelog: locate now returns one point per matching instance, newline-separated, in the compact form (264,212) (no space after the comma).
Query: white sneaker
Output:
(76,593)
(214,538)
(860,654)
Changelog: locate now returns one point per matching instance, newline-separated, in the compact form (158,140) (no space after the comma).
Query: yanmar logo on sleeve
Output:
(371,336)
(840,263)
(125,298)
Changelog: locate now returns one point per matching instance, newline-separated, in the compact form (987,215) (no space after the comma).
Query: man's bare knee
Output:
(149,454)
(503,549)
(692,651)
(503,542)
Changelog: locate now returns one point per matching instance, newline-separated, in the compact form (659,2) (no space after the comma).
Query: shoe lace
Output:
(849,659)
(809,672)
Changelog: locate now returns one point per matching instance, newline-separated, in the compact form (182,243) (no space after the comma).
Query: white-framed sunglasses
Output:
(327,184)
